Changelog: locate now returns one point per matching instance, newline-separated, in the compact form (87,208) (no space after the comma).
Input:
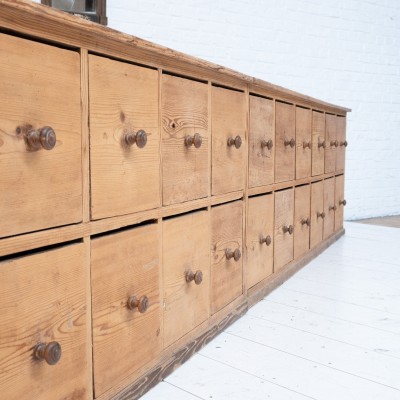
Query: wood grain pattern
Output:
(184,113)
(186,248)
(330,136)
(318,137)
(284,216)
(262,128)
(226,275)
(229,119)
(317,206)
(303,137)
(341,137)
(329,201)
(49,189)
(302,204)
(123,99)
(260,224)
(339,197)
(284,130)
(124,264)
(43,299)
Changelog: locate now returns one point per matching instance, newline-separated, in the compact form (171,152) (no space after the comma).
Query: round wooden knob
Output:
(321,214)
(332,208)
(322,144)
(45,138)
(195,140)
(288,229)
(236,254)
(290,142)
(197,277)
(237,142)
(141,304)
(306,221)
(50,352)
(140,138)
(267,143)
(342,202)
(334,143)
(344,143)
(307,144)
(267,240)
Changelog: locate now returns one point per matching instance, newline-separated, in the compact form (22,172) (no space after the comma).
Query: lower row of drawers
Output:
(150,285)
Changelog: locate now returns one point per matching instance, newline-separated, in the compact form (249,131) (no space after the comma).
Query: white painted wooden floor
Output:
(331,332)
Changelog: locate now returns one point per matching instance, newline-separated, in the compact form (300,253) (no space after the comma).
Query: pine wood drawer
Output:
(329,206)
(229,150)
(185,140)
(340,201)
(43,301)
(331,143)
(261,141)
(124,138)
(186,271)
(318,143)
(303,142)
(342,142)
(317,213)
(226,247)
(302,220)
(285,140)
(259,239)
(125,303)
(40,136)
(284,228)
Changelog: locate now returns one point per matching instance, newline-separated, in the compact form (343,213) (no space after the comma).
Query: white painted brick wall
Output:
(343,51)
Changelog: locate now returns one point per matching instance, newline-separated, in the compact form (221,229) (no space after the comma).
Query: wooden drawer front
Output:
(284,228)
(43,300)
(303,143)
(285,141)
(41,180)
(229,114)
(342,143)
(331,142)
(260,234)
(124,167)
(318,143)
(261,141)
(317,213)
(302,220)
(125,335)
(185,140)
(226,245)
(340,201)
(329,206)
(186,249)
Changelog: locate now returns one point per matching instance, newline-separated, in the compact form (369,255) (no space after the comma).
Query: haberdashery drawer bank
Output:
(148,199)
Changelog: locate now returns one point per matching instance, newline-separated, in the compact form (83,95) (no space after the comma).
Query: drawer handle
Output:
(50,352)
(45,138)
(267,143)
(342,202)
(307,144)
(195,140)
(267,240)
(344,143)
(306,221)
(140,138)
(237,142)
(289,229)
(332,208)
(322,144)
(321,214)
(236,254)
(334,143)
(290,142)
(197,277)
(142,304)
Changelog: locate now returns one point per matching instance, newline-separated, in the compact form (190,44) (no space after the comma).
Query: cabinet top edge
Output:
(45,23)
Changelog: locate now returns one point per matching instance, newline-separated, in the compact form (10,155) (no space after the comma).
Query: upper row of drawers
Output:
(41,87)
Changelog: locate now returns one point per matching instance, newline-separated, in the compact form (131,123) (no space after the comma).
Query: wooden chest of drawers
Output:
(148,199)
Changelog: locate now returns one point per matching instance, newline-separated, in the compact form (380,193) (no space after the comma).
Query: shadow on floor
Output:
(392,221)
